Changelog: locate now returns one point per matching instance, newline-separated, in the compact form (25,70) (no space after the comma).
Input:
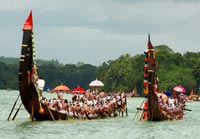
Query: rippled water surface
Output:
(111,128)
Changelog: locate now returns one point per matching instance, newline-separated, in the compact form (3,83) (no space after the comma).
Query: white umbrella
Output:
(96,83)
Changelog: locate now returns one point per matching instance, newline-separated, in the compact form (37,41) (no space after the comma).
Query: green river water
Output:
(110,128)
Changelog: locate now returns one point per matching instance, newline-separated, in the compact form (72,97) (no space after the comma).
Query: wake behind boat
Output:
(41,108)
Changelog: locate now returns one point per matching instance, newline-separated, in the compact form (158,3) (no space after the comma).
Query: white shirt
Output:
(41,84)
(171,102)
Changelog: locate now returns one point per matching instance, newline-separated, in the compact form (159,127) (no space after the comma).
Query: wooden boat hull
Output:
(27,82)
(28,89)
(154,111)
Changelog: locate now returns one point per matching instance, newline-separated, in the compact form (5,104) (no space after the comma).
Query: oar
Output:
(141,115)
(138,109)
(13,107)
(187,109)
(50,112)
(16,112)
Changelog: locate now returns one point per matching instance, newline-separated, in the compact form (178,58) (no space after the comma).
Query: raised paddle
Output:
(13,107)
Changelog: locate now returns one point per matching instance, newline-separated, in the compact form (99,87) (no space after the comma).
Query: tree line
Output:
(120,75)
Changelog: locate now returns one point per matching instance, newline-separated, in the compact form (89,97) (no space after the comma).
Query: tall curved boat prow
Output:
(156,107)
(28,77)
(39,107)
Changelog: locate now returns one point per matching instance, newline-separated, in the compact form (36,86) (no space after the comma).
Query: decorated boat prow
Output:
(158,106)
(41,108)
(28,78)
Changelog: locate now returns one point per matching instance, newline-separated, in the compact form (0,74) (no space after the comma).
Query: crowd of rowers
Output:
(89,105)
(173,105)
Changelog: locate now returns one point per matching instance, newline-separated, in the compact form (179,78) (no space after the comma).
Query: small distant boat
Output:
(30,94)
(133,93)
(191,96)
(9,89)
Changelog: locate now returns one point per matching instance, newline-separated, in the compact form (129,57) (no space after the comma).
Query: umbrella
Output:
(62,88)
(78,89)
(179,89)
(164,96)
(96,83)
(168,94)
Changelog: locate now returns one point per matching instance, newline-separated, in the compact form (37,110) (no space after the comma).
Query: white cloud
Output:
(109,27)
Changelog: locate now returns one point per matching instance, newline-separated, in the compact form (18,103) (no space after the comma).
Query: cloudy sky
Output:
(95,31)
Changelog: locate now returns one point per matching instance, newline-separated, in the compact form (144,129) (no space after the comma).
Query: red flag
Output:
(149,43)
(28,25)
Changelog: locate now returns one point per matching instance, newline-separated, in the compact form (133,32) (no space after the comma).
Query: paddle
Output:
(16,112)
(50,112)
(13,107)
(138,109)
(187,109)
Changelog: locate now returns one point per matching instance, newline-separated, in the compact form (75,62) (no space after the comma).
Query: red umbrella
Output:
(78,89)
(179,89)
(62,88)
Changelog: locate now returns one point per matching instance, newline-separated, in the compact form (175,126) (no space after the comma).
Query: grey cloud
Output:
(99,30)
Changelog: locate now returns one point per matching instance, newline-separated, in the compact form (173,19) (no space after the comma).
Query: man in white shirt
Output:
(41,84)
(171,102)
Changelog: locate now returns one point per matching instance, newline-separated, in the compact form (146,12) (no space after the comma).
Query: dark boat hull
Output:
(28,88)
(154,111)
(27,82)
